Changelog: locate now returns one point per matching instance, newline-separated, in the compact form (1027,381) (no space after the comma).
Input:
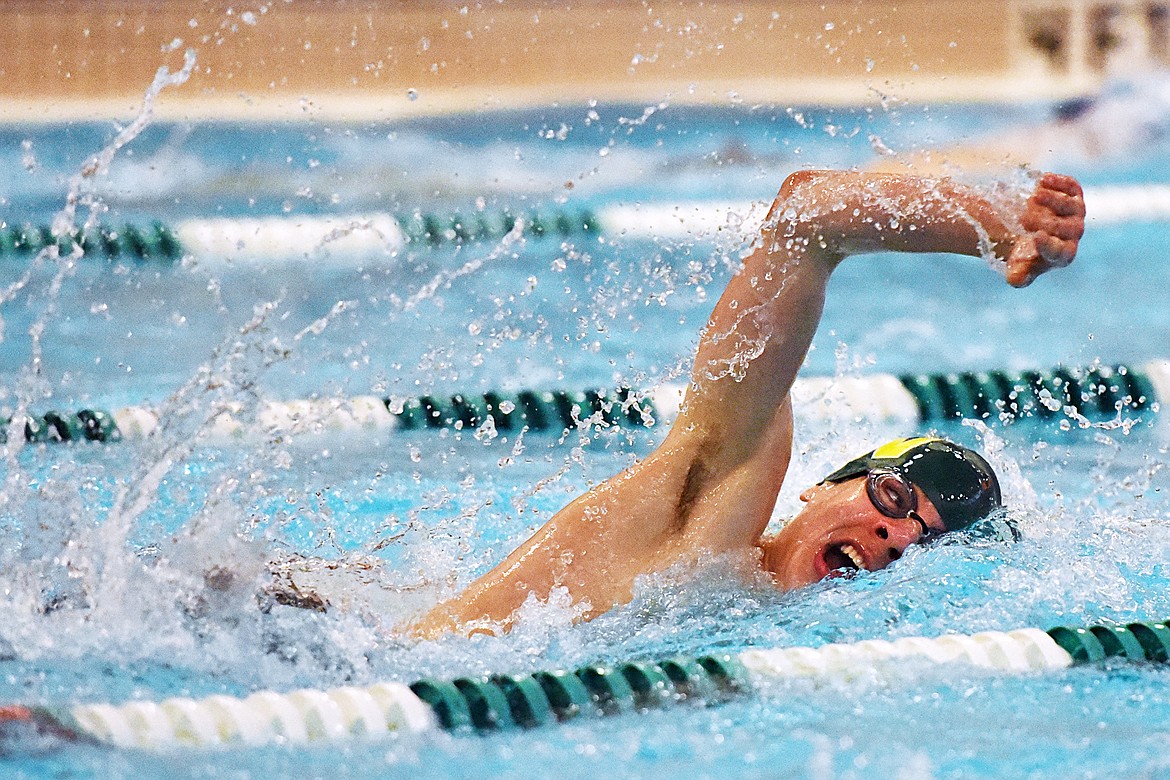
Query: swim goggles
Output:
(892,494)
(959,483)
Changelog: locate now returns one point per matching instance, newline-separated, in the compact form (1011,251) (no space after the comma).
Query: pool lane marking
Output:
(263,718)
(367,235)
(1127,203)
(1024,650)
(1158,372)
(698,220)
(499,702)
(356,238)
(1104,204)
(1089,392)
(319,237)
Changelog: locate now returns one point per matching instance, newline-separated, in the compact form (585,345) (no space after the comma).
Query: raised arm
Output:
(760,331)
(853,213)
(710,487)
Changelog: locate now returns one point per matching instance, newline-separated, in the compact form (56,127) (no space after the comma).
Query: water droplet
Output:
(487,431)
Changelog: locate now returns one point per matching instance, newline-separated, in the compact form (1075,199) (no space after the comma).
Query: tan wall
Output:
(364,55)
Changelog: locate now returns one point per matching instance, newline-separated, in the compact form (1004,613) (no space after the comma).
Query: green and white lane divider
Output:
(248,239)
(1127,203)
(1097,392)
(500,702)
(154,242)
(361,236)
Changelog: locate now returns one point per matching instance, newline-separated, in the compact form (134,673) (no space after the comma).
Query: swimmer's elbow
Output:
(800,185)
(799,208)
(801,215)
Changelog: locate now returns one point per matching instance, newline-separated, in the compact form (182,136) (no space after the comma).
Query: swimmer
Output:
(711,486)
(1085,129)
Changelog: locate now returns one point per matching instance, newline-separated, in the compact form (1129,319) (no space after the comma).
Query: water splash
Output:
(32,384)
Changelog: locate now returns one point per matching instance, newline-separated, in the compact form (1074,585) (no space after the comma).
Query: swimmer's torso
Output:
(677,504)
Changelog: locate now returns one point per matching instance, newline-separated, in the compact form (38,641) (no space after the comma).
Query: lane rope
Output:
(356,237)
(1086,393)
(488,704)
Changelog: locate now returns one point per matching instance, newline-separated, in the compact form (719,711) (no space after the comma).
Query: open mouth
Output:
(842,560)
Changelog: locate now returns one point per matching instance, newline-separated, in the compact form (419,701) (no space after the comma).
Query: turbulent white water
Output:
(143,568)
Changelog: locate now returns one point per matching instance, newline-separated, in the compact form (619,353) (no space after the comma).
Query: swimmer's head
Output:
(959,482)
(866,514)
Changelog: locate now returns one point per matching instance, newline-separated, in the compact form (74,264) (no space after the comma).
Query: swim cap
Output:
(957,480)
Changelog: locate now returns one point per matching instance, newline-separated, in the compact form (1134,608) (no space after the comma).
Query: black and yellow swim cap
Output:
(957,480)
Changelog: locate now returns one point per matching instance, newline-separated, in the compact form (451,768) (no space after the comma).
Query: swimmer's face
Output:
(841,531)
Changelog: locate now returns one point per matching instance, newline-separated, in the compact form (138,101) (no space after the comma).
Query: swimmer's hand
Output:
(1054,217)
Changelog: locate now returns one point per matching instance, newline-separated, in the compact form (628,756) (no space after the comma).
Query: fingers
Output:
(1060,203)
(1066,184)
(1057,195)
(1021,261)
(1035,254)
(1055,220)
(1055,251)
(1041,221)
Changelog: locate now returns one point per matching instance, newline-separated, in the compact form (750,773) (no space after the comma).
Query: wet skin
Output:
(710,487)
(810,546)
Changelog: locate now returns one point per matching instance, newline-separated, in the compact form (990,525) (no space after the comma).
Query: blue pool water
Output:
(107,547)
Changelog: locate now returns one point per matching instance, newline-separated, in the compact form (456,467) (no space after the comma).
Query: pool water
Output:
(108,548)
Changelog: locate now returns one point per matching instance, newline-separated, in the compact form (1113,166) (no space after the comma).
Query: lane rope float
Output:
(357,237)
(1086,393)
(244,239)
(488,704)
